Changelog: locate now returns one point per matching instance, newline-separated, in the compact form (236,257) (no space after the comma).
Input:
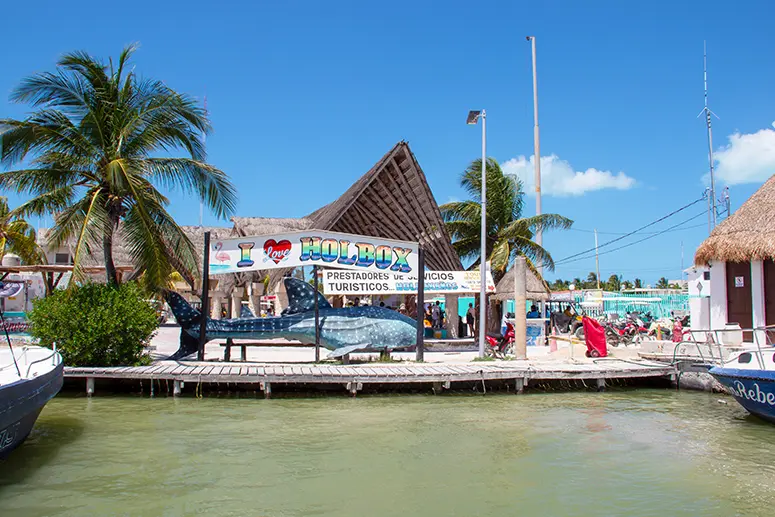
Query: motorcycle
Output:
(621,333)
(498,346)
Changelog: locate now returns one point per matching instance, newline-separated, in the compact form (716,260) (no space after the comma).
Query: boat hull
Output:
(753,389)
(20,404)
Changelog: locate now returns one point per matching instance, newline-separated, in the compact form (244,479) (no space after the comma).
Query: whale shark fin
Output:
(245,312)
(301,297)
(340,352)
(186,316)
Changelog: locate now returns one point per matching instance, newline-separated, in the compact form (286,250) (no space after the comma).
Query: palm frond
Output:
(211,184)
(536,223)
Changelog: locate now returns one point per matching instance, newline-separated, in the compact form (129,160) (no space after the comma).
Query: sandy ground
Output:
(166,340)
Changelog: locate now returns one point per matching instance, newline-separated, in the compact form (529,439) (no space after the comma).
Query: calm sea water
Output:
(633,453)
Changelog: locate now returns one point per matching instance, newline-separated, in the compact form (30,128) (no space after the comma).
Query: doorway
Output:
(739,303)
(769,298)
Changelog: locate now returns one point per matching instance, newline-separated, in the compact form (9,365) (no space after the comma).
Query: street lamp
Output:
(473,117)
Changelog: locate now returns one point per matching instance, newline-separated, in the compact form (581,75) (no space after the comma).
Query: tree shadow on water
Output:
(48,437)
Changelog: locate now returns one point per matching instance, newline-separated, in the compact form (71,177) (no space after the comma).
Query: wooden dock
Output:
(353,377)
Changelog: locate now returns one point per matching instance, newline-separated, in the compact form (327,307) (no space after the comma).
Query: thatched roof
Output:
(94,258)
(266,225)
(748,234)
(392,200)
(196,234)
(536,289)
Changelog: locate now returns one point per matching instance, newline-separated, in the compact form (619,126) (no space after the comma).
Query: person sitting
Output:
(533,312)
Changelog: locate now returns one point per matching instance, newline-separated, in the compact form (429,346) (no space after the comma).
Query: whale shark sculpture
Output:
(343,330)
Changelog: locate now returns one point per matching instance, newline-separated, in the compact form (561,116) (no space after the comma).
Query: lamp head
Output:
(473,117)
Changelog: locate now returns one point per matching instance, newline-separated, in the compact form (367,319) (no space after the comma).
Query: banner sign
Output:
(313,247)
(376,282)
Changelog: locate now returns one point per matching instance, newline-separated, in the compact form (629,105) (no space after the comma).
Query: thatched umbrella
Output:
(746,235)
(536,289)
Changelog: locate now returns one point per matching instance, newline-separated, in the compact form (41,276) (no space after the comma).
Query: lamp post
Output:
(473,118)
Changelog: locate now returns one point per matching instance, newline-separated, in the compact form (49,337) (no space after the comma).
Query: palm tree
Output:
(87,155)
(614,283)
(508,233)
(17,236)
(662,283)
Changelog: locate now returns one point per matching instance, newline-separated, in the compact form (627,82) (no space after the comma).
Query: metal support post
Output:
(317,315)
(200,356)
(421,304)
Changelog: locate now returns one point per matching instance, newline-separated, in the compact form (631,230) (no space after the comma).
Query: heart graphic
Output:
(277,251)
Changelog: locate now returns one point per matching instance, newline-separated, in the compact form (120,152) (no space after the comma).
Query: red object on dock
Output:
(594,335)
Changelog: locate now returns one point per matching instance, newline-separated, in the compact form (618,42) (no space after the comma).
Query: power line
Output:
(630,233)
(637,233)
(624,270)
(639,241)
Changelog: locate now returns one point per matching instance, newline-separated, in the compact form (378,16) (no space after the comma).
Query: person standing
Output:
(470,318)
(436,315)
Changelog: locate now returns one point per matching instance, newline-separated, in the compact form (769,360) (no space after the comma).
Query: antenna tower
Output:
(706,110)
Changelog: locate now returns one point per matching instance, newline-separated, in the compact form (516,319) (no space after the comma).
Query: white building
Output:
(739,256)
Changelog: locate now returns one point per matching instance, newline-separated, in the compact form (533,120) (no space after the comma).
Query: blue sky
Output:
(306,96)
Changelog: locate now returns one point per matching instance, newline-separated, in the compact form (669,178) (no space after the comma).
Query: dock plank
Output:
(313,374)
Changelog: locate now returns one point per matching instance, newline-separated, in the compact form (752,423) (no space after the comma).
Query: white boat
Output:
(750,377)
(30,376)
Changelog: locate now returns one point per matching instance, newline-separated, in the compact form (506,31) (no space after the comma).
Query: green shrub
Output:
(95,324)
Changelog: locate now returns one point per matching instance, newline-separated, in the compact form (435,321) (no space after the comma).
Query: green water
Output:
(633,453)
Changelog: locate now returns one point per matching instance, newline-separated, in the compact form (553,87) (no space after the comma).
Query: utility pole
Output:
(706,110)
(536,147)
(597,262)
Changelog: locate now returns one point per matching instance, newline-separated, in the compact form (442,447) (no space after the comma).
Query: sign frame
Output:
(311,247)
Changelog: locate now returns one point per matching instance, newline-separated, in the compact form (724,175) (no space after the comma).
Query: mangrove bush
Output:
(96,324)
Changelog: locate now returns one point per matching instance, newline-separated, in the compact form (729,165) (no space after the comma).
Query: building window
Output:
(62,259)
(706,275)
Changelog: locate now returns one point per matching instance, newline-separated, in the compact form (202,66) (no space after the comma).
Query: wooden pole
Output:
(200,356)
(317,315)
(420,304)
(520,320)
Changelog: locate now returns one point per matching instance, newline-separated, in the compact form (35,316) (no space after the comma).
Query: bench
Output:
(244,348)
(227,350)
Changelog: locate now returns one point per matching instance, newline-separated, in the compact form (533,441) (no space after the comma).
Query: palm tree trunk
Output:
(107,248)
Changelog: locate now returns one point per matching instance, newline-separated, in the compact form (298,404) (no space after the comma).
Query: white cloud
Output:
(748,158)
(559,179)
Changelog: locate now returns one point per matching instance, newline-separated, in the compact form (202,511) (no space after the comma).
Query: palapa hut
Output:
(740,255)
(536,289)
(392,200)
